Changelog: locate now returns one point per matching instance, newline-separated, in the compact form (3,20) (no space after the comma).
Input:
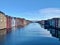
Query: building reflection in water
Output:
(54,32)
(2,36)
(5,32)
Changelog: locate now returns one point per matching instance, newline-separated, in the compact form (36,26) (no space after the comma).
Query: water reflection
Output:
(54,32)
(31,34)
(2,36)
(7,34)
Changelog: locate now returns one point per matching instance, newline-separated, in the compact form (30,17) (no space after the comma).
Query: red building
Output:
(8,23)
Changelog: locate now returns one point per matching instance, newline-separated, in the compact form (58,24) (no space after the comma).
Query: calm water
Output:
(31,34)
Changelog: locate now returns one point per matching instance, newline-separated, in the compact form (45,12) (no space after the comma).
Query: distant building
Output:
(13,22)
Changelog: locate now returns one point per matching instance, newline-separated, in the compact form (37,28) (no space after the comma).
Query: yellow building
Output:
(3,32)
(2,20)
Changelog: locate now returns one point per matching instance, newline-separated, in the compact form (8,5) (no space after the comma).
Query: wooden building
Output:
(2,20)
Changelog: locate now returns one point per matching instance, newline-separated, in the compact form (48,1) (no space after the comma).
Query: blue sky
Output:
(31,9)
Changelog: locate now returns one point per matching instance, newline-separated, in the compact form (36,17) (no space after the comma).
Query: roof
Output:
(2,12)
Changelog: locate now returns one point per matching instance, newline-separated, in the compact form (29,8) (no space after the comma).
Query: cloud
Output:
(50,10)
(48,13)
(31,15)
(41,14)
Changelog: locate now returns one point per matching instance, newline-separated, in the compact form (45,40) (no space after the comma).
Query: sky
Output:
(31,9)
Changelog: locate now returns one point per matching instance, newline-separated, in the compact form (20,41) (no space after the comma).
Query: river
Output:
(31,34)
